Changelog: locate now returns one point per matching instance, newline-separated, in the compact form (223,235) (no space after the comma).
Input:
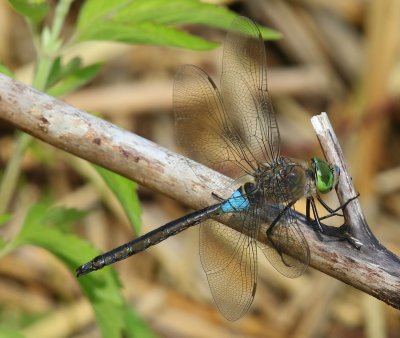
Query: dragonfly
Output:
(234,129)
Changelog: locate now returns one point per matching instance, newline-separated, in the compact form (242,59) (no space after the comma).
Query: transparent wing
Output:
(237,130)
(286,233)
(244,92)
(203,129)
(229,259)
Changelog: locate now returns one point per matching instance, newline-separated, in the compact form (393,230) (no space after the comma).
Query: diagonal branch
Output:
(372,269)
(345,189)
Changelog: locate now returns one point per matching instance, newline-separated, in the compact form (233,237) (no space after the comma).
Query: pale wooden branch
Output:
(371,269)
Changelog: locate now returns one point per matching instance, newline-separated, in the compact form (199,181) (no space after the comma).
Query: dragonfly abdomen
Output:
(237,202)
(151,238)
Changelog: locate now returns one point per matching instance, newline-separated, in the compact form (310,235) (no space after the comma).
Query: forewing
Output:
(244,92)
(229,259)
(202,126)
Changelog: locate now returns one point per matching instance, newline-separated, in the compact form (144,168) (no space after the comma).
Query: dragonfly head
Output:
(326,175)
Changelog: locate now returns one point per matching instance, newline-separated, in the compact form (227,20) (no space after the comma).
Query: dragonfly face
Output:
(326,175)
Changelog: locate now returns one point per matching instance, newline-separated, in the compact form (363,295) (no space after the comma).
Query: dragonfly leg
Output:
(318,228)
(341,233)
(333,212)
(277,218)
(217,197)
(269,234)
(272,226)
(346,236)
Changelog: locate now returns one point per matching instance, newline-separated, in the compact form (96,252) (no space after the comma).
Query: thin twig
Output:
(345,189)
(372,268)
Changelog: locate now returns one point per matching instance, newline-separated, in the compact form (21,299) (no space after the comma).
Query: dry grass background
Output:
(340,56)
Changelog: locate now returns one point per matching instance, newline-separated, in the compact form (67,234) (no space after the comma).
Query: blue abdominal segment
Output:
(237,202)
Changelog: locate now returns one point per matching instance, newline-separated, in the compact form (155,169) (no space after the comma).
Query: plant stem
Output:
(11,173)
(46,55)
(59,18)
(48,51)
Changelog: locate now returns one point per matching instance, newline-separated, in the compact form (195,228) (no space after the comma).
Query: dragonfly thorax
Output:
(284,180)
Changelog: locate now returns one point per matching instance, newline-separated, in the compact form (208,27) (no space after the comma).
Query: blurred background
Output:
(342,57)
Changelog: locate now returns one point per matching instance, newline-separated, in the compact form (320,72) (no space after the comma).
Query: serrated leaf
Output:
(125,190)
(146,33)
(180,12)
(98,10)
(73,81)
(102,288)
(4,70)
(152,21)
(35,10)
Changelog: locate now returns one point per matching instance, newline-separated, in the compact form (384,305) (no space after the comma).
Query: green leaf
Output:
(4,218)
(152,21)
(125,190)
(35,10)
(74,80)
(4,70)
(146,33)
(136,327)
(102,288)
(39,228)
(3,245)
(183,12)
(10,333)
(58,70)
(63,217)
(98,10)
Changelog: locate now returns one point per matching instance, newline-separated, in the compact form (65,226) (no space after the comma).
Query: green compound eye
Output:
(326,176)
